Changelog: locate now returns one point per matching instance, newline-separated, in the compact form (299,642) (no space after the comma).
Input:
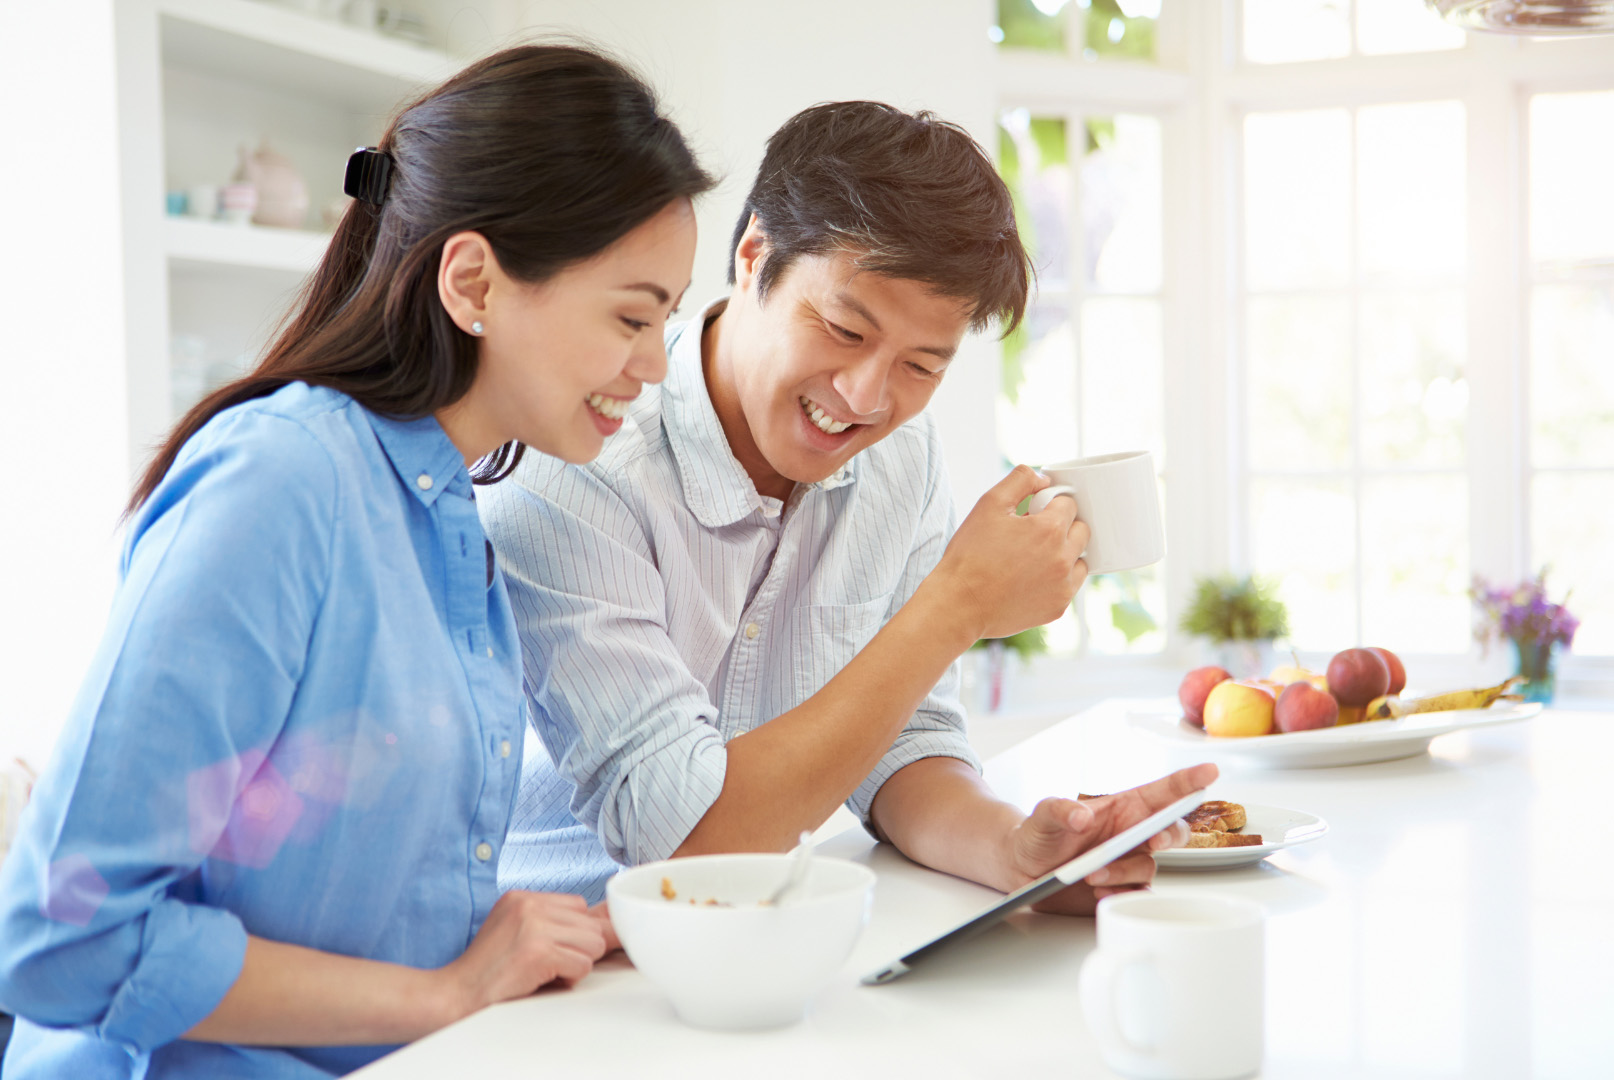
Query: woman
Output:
(267,844)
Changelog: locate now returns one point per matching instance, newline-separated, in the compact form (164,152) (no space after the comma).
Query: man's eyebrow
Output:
(941,352)
(653,289)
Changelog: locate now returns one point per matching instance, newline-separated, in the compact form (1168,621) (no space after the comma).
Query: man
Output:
(749,609)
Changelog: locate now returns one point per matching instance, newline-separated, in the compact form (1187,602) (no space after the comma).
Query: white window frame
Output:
(1201,90)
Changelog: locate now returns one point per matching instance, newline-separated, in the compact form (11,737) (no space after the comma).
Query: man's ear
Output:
(748,254)
(465,278)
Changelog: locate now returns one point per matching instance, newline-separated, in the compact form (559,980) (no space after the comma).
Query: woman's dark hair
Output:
(908,195)
(551,152)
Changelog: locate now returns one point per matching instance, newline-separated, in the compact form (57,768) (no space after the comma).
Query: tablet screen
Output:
(1060,877)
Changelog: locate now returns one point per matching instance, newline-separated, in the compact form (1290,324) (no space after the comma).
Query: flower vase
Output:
(1537,661)
(1246,659)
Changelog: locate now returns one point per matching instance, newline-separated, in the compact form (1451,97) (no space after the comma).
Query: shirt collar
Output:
(717,488)
(426,461)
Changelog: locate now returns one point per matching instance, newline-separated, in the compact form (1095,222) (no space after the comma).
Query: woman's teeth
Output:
(609,407)
(821,419)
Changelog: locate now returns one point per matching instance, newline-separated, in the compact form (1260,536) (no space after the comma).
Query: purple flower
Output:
(1522,614)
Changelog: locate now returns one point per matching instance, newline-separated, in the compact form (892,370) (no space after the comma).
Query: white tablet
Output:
(1059,878)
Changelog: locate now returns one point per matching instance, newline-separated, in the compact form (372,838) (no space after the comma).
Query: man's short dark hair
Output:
(908,195)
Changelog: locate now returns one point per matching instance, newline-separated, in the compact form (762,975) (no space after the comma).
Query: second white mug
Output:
(1174,990)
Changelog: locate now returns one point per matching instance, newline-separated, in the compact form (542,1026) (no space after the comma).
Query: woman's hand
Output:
(529,940)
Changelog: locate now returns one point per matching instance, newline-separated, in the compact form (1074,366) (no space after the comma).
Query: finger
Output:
(1021,482)
(1159,794)
(1050,817)
(559,901)
(602,912)
(1174,837)
(1060,510)
(1134,869)
(1077,537)
(569,966)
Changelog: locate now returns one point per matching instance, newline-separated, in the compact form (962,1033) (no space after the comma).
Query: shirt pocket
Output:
(827,636)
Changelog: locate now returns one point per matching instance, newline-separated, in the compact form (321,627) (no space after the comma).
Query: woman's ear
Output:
(749,253)
(465,278)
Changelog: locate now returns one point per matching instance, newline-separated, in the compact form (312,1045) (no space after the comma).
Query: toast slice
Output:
(1216,816)
(1223,839)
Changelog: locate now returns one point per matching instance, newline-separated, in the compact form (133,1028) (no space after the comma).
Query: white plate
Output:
(1353,744)
(1278,827)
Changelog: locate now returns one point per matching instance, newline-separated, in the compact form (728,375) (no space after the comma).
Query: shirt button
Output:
(752,630)
(484,851)
(424,481)
(504,748)
(490,652)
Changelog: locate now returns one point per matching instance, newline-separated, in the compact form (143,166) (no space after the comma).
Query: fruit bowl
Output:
(1352,744)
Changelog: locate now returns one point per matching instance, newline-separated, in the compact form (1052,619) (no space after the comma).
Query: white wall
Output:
(64,431)
(731,71)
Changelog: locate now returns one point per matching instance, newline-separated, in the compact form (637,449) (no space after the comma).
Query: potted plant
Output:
(1241,617)
(991,669)
(1538,629)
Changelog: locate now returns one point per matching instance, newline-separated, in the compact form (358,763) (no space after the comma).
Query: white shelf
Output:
(206,245)
(298,53)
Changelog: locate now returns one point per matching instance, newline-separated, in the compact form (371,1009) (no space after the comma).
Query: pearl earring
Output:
(476,328)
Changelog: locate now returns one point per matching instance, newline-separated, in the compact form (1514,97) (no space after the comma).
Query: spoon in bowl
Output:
(801,856)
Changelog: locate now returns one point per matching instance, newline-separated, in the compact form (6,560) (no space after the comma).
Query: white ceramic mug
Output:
(1174,990)
(1117,497)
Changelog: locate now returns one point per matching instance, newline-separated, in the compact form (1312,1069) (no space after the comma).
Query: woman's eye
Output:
(634,324)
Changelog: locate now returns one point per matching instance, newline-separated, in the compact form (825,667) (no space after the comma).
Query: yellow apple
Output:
(1240,708)
(1290,673)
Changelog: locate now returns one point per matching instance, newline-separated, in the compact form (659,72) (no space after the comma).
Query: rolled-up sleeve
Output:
(225,570)
(937,727)
(616,706)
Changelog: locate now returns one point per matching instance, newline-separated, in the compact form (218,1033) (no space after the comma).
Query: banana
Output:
(1389,708)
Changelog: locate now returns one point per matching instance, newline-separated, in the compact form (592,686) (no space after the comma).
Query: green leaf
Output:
(1132,619)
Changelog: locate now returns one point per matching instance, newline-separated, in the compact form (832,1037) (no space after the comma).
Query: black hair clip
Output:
(368,171)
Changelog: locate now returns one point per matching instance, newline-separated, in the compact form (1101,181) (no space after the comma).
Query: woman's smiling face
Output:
(559,361)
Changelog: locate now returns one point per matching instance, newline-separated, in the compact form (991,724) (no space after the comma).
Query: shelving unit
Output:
(202,79)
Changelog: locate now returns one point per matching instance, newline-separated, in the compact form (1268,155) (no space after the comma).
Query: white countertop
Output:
(1456,921)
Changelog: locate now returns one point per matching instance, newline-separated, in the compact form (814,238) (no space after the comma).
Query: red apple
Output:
(1195,688)
(1302,707)
(1357,676)
(1398,671)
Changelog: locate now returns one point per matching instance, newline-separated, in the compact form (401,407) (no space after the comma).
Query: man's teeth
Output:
(821,419)
(609,407)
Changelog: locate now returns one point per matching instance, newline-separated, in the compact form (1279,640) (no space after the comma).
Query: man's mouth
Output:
(609,407)
(821,419)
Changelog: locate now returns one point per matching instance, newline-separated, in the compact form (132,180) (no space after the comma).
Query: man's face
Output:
(833,361)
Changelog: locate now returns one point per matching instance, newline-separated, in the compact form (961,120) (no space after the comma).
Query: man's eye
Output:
(845,333)
(922,369)
(634,324)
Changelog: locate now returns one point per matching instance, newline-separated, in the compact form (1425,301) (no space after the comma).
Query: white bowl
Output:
(740,965)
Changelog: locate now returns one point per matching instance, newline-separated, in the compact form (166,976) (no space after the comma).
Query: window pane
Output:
(1410,171)
(1122,403)
(1415,563)
(1571,520)
(1298,394)
(1281,31)
(1572,374)
(1120,29)
(1571,175)
(1414,394)
(1037,407)
(1034,161)
(1402,26)
(1031,24)
(1302,534)
(1132,602)
(1121,203)
(1297,199)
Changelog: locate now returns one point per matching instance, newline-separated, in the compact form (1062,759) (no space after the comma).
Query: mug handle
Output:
(1041,499)
(1097,983)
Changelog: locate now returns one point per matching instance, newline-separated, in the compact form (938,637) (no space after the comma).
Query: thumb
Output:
(1022,482)
(1055,817)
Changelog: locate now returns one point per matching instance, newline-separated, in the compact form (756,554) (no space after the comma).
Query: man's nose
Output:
(862,385)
